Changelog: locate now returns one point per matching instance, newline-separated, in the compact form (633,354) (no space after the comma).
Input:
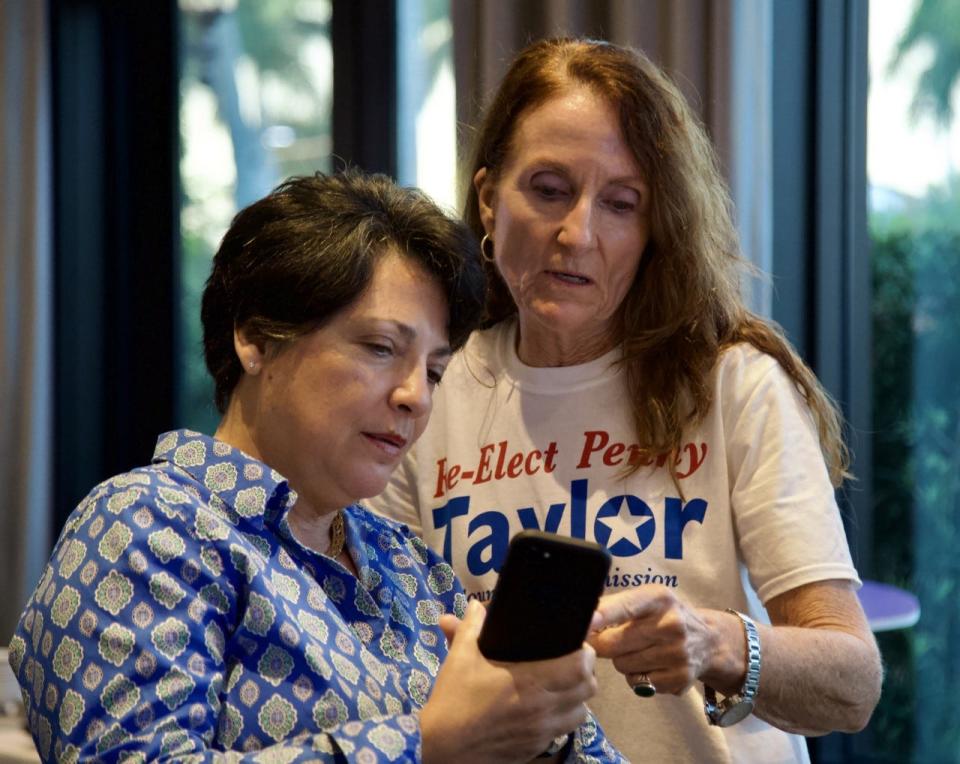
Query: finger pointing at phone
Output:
(650,630)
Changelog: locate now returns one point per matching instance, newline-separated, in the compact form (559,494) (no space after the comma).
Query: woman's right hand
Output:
(481,711)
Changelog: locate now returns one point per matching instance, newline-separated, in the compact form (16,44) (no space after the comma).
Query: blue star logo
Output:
(624,512)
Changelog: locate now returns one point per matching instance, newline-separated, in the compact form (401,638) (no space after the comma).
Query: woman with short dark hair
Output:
(296,257)
(232,599)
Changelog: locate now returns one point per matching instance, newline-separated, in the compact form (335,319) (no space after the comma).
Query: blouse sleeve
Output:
(123,650)
(590,745)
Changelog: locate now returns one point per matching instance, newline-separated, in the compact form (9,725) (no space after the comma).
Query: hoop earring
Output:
(483,249)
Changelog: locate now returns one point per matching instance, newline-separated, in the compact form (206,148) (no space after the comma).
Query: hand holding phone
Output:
(545,597)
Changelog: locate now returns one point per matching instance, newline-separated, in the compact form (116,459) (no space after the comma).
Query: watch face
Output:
(735,712)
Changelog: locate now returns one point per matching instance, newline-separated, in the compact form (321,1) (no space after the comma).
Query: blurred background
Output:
(130,133)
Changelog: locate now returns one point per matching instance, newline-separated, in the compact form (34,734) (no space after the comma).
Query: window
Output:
(255,107)
(427,108)
(913,139)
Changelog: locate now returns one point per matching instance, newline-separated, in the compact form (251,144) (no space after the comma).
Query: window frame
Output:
(821,252)
(821,246)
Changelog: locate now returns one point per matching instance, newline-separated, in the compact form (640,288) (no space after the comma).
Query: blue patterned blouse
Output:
(178,617)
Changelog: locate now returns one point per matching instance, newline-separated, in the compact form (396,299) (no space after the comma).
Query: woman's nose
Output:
(413,393)
(577,228)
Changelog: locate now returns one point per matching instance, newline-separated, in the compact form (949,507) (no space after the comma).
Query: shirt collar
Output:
(253,490)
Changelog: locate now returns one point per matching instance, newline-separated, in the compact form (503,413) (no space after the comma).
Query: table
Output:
(888,607)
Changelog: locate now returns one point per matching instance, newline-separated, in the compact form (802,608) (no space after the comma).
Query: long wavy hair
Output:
(685,305)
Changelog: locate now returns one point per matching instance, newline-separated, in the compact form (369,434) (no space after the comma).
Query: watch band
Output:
(752,683)
(738,706)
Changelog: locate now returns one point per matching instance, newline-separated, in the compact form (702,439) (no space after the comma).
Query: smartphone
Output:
(545,597)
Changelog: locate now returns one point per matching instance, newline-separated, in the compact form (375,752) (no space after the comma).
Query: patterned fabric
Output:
(178,617)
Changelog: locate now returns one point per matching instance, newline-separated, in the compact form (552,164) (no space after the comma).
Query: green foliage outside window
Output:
(916,404)
(256,90)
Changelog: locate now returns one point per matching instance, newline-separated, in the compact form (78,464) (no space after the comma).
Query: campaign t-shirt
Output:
(751,516)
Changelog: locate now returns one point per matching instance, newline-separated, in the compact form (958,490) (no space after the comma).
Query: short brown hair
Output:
(292,260)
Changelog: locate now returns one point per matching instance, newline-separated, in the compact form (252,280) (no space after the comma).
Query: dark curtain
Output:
(26,307)
(690,39)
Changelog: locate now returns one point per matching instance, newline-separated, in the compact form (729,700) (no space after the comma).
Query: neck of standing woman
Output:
(543,346)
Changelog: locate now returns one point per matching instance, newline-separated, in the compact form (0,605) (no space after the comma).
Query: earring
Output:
(483,249)
(252,365)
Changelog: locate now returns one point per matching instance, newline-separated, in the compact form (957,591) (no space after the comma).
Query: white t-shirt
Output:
(510,447)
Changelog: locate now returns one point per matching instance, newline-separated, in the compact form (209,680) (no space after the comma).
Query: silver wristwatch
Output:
(737,707)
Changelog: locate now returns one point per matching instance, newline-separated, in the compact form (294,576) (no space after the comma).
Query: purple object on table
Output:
(888,607)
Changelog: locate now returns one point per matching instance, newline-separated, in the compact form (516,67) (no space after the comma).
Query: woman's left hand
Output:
(486,711)
(821,667)
(651,630)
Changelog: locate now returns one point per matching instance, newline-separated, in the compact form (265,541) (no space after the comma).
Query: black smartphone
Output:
(545,597)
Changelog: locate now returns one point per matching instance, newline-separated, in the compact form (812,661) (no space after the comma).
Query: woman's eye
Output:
(434,376)
(549,186)
(621,205)
(622,201)
(379,349)
(549,192)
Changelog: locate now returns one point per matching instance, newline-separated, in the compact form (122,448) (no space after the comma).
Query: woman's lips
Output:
(392,443)
(574,279)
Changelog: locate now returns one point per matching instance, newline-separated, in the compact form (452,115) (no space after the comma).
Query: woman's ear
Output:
(486,198)
(248,352)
